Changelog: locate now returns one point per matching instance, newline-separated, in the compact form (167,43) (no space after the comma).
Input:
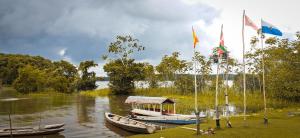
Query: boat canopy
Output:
(148,100)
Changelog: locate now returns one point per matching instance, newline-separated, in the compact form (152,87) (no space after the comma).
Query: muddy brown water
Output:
(83,116)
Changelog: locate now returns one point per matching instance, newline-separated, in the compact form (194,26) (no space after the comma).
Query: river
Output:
(83,116)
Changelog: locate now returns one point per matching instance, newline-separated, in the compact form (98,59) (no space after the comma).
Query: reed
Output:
(96,93)
(206,99)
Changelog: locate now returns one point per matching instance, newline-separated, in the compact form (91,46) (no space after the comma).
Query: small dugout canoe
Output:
(130,124)
(32,131)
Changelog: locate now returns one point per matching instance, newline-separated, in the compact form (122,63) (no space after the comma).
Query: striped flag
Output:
(222,48)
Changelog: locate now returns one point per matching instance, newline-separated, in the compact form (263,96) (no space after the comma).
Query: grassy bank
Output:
(206,100)
(95,93)
(281,124)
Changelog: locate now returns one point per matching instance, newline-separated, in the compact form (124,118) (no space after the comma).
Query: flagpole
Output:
(195,81)
(244,65)
(196,93)
(226,94)
(263,71)
(217,93)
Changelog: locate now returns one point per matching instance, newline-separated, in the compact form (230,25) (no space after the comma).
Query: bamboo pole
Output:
(244,69)
(195,81)
(226,94)
(217,93)
(263,71)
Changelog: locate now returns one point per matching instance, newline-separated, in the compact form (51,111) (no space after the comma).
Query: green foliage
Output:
(149,73)
(11,63)
(203,67)
(121,68)
(282,67)
(88,79)
(184,83)
(172,65)
(122,78)
(60,76)
(30,79)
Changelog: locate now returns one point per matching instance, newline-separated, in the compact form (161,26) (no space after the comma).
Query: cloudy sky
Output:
(77,30)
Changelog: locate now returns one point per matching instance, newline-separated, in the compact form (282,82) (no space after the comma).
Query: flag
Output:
(268,28)
(250,23)
(222,48)
(195,38)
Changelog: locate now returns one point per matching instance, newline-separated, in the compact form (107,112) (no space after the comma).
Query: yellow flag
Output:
(195,37)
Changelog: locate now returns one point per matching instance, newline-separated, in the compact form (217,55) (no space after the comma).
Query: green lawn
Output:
(280,125)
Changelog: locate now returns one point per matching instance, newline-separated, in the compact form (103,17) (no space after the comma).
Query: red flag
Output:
(250,23)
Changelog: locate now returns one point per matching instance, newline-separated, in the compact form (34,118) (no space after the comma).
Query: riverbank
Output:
(96,93)
(282,123)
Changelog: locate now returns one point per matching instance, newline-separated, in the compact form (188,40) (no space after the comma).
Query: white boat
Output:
(156,106)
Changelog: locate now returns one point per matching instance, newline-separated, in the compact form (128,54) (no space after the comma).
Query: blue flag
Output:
(268,28)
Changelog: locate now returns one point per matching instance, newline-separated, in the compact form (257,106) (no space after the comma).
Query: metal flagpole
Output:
(263,71)
(244,69)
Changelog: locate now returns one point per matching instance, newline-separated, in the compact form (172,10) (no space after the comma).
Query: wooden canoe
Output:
(29,132)
(129,124)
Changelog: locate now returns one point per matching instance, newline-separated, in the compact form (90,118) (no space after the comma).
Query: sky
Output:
(78,30)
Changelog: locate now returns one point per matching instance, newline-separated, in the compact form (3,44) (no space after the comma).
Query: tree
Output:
(30,79)
(64,77)
(87,79)
(170,66)
(203,68)
(150,75)
(121,67)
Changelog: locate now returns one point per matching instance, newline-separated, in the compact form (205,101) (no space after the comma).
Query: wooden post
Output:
(217,93)
(174,108)
(10,124)
(226,94)
(161,109)
(263,71)
(244,69)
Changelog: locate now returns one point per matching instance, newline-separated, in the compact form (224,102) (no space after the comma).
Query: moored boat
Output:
(130,124)
(179,120)
(156,107)
(32,131)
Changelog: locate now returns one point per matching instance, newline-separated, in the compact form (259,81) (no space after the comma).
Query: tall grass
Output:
(206,99)
(95,93)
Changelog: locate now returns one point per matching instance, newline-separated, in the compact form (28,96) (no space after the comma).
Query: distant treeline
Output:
(35,73)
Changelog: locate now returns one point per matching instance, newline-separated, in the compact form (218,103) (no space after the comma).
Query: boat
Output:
(32,131)
(27,131)
(179,120)
(130,124)
(155,107)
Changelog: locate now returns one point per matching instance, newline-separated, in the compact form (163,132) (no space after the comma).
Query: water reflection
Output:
(83,116)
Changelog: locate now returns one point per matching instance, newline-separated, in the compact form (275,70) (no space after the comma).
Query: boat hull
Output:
(166,119)
(139,127)
(30,132)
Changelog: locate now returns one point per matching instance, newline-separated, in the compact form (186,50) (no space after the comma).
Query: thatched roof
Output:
(148,100)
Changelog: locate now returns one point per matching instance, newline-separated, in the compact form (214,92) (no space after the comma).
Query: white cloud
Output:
(62,52)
